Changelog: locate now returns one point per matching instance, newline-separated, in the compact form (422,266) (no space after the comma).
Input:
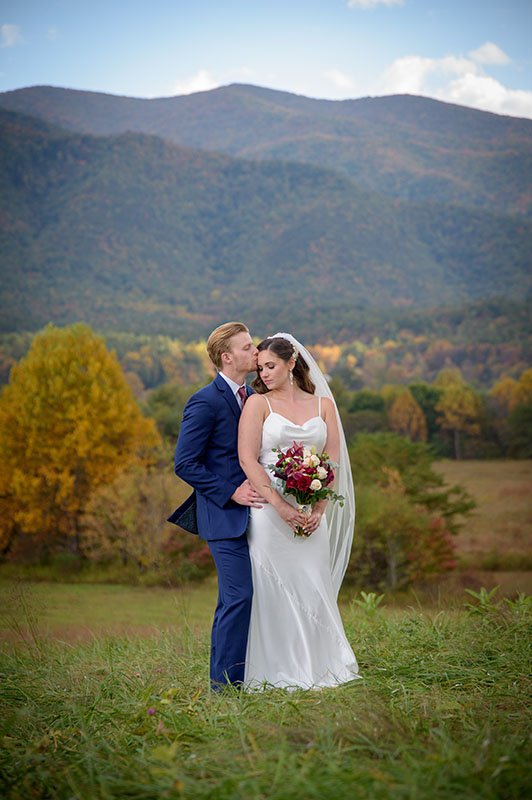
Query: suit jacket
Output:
(206,457)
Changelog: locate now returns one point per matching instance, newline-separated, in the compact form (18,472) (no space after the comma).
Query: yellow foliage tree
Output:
(459,412)
(523,390)
(504,393)
(407,418)
(69,423)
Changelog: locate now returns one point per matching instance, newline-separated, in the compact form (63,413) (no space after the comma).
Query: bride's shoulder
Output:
(257,402)
(327,407)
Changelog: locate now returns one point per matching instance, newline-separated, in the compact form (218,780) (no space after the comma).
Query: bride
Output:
(296,637)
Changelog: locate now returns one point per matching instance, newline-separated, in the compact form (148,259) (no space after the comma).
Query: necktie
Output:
(242,394)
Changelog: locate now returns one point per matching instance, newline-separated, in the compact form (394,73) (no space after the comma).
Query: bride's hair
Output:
(284,349)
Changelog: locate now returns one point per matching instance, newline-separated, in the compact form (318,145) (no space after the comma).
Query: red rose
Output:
(304,482)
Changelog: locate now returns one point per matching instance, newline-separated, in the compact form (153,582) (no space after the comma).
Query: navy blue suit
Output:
(206,457)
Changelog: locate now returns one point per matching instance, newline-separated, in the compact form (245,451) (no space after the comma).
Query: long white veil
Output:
(341,521)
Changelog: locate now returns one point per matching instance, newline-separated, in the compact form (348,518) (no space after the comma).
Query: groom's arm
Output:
(198,422)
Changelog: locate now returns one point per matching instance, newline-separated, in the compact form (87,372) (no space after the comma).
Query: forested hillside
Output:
(403,146)
(130,232)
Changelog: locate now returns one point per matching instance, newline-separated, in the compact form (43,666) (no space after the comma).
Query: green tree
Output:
(427,398)
(520,427)
(366,400)
(69,424)
(406,515)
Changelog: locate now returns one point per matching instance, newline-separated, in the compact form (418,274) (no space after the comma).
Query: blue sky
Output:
(472,52)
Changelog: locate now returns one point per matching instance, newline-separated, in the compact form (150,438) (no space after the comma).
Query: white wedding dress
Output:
(296,637)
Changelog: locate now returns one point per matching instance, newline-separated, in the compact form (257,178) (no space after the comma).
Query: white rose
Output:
(306,461)
(306,453)
(314,460)
(315,485)
(322,473)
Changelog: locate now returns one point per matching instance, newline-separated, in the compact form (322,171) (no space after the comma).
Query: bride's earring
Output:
(291,377)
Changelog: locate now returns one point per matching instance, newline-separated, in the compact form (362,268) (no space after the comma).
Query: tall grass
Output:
(443,712)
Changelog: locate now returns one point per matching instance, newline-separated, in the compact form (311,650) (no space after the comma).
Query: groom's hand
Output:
(246,495)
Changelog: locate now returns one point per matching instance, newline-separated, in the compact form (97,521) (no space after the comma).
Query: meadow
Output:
(104,688)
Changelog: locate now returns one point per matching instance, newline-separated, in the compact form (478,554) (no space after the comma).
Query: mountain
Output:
(405,147)
(132,232)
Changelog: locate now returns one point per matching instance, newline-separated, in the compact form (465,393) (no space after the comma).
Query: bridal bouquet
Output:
(305,475)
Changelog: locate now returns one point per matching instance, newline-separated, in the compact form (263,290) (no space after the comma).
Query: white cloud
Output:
(52,33)
(489,53)
(202,81)
(410,75)
(340,79)
(10,35)
(364,4)
(481,91)
(455,79)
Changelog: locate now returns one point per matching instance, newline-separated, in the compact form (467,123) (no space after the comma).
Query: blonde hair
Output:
(220,340)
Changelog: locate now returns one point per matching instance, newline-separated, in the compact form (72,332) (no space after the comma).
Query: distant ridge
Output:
(133,232)
(404,146)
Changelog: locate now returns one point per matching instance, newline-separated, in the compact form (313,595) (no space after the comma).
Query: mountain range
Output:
(168,215)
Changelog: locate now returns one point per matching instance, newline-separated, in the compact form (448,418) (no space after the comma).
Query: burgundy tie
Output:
(242,393)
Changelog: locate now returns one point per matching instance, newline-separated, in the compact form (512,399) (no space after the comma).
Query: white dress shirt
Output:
(234,387)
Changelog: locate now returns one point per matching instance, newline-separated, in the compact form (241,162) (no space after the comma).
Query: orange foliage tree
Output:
(406,417)
(69,423)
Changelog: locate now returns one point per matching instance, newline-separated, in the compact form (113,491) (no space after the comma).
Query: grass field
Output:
(443,712)
(104,688)
(499,533)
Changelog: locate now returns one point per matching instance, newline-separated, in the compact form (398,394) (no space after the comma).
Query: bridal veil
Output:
(340,520)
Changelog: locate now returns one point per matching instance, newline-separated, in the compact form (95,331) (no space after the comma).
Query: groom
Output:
(206,457)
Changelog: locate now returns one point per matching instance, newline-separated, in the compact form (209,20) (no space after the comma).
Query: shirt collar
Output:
(233,384)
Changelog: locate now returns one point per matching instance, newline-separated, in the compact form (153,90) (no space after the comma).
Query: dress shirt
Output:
(234,388)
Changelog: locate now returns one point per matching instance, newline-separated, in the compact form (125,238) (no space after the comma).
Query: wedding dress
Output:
(296,637)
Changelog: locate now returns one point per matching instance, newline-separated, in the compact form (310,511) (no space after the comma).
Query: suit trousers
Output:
(229,635)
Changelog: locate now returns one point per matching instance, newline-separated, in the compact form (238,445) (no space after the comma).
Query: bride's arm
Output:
(332,448)
(249,441)
(332,445)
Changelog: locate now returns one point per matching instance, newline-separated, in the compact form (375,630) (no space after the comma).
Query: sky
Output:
(475,53)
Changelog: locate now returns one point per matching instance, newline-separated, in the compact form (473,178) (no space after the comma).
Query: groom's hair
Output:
(220,340)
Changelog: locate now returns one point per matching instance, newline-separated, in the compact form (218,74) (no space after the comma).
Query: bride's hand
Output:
(312,520)
(291,515)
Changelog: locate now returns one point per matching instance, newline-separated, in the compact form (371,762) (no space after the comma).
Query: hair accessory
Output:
(295,351)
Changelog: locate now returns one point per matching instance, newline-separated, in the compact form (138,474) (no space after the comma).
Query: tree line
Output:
(86,469)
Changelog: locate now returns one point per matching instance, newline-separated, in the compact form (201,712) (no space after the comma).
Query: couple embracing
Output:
(277,621)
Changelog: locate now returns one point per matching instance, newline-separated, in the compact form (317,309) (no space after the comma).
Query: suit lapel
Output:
(231,400)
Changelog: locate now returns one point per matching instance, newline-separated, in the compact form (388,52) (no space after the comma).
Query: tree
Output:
(407,419)
(69,424)
(427,398)
(125,522)
(520,427)
(459,409)
(366,400)
(406,516)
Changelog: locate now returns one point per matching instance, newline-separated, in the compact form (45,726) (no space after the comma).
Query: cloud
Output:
(411,74)
(489,53)
(340,79)
(486,93)
(365,4)
(456,79)
(52,33)
(202,81)
(10,35)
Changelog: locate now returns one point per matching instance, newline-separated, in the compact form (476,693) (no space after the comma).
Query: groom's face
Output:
(243,353)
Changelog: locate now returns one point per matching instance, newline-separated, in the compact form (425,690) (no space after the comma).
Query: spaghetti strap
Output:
(319,406)
(269,406)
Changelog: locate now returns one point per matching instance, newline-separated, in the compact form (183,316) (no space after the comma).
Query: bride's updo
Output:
(285,350)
